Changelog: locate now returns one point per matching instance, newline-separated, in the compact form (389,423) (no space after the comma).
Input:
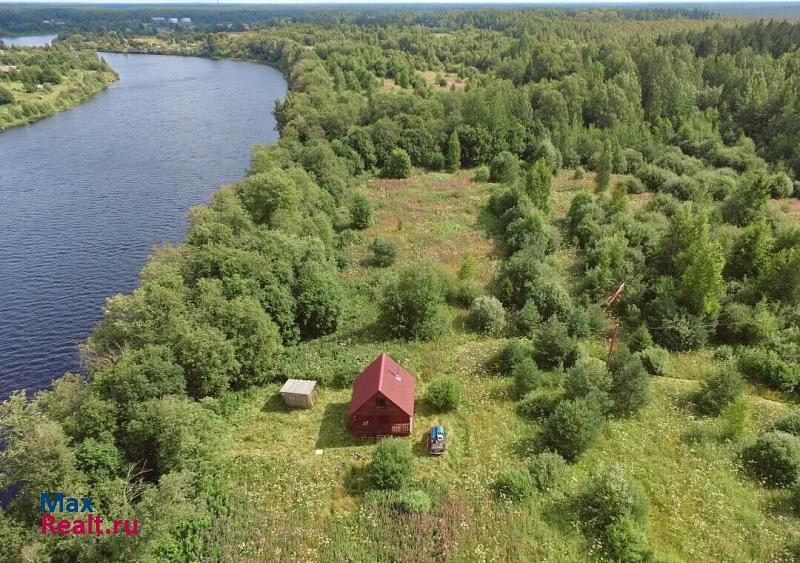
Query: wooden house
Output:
(300,393)
(383,400)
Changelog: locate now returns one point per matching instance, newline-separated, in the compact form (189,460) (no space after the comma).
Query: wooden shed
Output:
(299,393)
(383,400)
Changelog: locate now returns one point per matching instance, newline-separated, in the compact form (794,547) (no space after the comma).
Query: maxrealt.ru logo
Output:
(91,524)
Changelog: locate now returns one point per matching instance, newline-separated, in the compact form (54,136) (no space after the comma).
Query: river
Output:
(85,194)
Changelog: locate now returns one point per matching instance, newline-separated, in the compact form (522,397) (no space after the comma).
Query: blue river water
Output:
(86,193)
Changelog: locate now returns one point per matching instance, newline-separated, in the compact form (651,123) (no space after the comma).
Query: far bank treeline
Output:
(682,110)
(36,82)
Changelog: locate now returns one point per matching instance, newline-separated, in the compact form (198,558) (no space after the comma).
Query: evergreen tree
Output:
(537,185)
(453,161)
(603,177)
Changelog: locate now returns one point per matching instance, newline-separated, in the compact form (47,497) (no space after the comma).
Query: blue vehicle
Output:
(436,440)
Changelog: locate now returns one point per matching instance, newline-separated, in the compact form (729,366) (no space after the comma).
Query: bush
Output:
(766,366)
(482,174)
(384,252)
(464,293)
(6,97)
(794,499)
(487,316)
(99,460)
(547,470)
(391,464)
(718,391)
(413,305)
(608,498)
(631,185)
(504,168)
(527,376)
(655,360)
(629,382)
(774,458)
(573,426)
(626,541)
(506,359)
(553,345)
(445,394)
(780,185)
(789,424)
(640,339)
(589,379)
(540,403)
(579,174)
(734,419)
(742,324)
(514,484)
(398,165)
(527,319)
(360,212)
(414,502)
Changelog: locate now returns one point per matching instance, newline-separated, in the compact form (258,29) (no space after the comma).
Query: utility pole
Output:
(610,304)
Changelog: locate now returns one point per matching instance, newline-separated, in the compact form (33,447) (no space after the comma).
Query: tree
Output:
(6,97)
(504,168)
(319,299)
(360,212)
(384,252)
(392,464)
(572,428)
(413,305)
(445,394)
(453,158)
(603,168)
(629,382)
(537,185)
(398,165)
(701,284)
(486,315)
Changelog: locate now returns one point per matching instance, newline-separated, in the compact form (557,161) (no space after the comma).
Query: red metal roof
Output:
(386,376)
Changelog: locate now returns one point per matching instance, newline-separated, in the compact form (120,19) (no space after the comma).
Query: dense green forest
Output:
(464,190)
(37,82)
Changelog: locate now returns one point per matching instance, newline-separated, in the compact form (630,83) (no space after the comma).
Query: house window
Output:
(381,402)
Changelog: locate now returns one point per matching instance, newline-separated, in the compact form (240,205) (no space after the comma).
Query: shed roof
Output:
(386,376)
(298,386)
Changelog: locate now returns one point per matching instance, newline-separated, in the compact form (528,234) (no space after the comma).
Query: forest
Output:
(37,82)
(578,228)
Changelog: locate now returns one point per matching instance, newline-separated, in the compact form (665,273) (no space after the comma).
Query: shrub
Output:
(629,382)
(527,319)
(398,165)
(414,502)
(626,541)
(579,174)
(413,305)
(504,168)
(742,324)
(653,177)
(655,360)
(767,367)
(486,315)
(589,379)
(99,460)
(573,426)
(794,499)
(445,394)
(734,419)
(391,466)
(774,458)
(540,403)
(514,351)
(789,424)
(631,185)
(514,484)
(780,185)
(719,390)
(547,470)
(608,498)
(553,345)
(482,174)
(640,339)
(527,376)
(6,97)
(463,294)
(360,212)
(384,252)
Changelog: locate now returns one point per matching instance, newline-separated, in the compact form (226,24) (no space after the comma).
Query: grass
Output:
(292,501)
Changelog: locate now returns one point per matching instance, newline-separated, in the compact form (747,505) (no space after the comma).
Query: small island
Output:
(36,82)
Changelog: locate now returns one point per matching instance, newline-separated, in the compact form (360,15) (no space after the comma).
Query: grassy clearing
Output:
(300,504)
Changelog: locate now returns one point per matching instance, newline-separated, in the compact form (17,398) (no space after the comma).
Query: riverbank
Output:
(36,90)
